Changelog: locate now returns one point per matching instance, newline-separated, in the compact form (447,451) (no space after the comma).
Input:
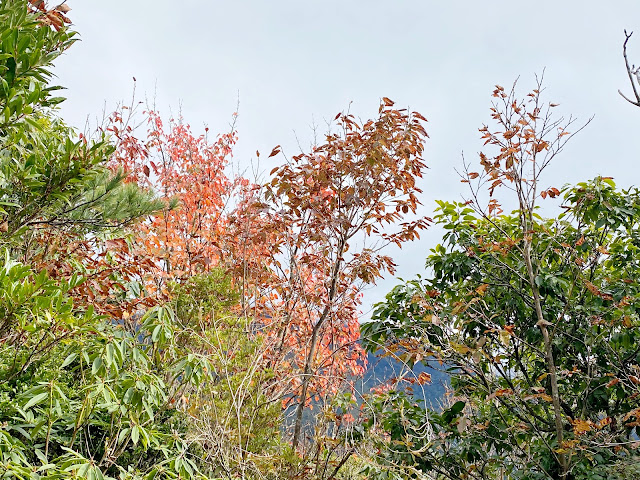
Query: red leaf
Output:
(275,151)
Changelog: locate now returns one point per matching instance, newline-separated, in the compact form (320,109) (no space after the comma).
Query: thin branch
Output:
(630,72)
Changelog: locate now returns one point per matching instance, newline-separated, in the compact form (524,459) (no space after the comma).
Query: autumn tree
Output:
(324,215)
(190,169)
(535,319)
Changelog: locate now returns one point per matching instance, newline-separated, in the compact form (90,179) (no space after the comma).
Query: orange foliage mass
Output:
(289,245)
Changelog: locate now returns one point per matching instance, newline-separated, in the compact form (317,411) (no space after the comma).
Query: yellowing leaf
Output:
(500,393)
(461,349)
(505,337)
(580,427)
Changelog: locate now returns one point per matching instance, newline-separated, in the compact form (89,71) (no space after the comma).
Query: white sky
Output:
(293,63)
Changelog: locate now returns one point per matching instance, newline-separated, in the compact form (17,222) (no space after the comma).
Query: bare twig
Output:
(630,71)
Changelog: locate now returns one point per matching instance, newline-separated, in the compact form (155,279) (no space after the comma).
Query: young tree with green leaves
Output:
(535,319)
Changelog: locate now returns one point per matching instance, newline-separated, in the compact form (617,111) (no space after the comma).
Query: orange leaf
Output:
(501,393)
(613,382)
(581,427)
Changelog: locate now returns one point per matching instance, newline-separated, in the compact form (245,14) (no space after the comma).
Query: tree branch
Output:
(630,72)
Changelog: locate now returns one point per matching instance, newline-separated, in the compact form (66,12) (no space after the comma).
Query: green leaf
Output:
(97,365)
(457,407)
(35,400)
(70,358)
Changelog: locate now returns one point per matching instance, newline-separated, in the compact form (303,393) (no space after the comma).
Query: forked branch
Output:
(632,71)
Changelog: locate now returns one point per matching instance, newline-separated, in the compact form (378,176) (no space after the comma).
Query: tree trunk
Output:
(306,373)
(551,367)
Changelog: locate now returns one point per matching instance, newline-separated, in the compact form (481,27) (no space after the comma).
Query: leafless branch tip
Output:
(631,72)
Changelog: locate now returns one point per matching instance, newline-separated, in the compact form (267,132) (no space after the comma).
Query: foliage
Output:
(49,178)
(80,396)
(285,242)
(188,169)
(536,319)
(235,419)
(99,377)
(177,348)
(314,211)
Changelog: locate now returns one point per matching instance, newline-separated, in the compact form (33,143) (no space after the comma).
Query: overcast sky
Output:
(295,63)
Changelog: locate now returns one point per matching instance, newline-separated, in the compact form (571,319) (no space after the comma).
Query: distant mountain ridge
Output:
(381,370)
